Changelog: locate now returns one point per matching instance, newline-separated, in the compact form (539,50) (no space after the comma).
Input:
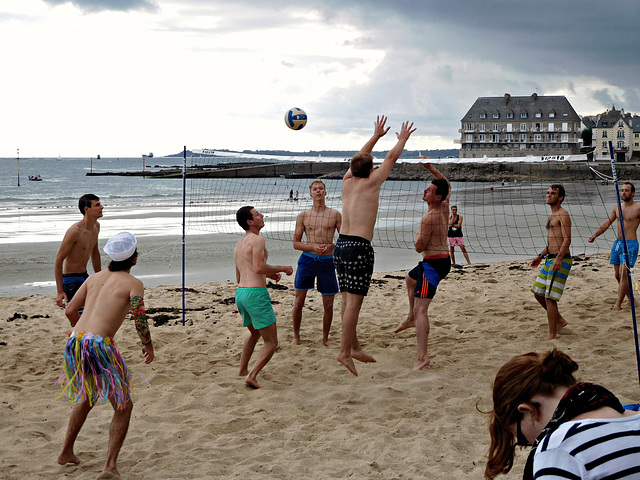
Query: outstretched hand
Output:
(405,131)
(379,127)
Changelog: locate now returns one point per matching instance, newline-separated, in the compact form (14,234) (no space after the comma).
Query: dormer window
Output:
(496,115)
(523,115)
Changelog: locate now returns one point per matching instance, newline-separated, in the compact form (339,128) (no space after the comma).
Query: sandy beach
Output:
(312,418)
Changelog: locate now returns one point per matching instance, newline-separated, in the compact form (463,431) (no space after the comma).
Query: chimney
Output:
(534,96)
(506,98)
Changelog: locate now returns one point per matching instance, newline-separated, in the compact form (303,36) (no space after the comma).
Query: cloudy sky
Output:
(125,77)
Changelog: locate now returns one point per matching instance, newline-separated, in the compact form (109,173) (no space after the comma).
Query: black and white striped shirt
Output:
(593,449)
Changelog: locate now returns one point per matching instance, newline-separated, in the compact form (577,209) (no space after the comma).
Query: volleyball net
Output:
(503,203)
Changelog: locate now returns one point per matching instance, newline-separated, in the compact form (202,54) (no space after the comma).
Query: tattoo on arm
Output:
(139,315)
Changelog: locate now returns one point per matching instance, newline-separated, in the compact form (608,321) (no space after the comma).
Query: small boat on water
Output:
(35,178)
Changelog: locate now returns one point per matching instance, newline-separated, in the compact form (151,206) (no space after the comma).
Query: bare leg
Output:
(453,256)
(466,255)
(623,285)
(296,314)
(561,322)
(350,347)
(421,313)
(270,337)
(117,434)
(78,417)
(247,351)
(409,322)
(554,318)
(327,317)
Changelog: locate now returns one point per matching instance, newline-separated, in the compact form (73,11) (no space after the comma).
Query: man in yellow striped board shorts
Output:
(549,285)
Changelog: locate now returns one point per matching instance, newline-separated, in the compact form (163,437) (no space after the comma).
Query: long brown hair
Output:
(516,382)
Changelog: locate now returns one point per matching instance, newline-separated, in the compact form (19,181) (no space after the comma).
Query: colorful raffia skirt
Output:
(94,369)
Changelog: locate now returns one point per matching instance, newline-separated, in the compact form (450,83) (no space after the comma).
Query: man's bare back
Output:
(106,297)
(250,251)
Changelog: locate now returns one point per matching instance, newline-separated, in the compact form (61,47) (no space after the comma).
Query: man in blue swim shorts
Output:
(318,224)
(431,242)
(79,244)
(631,215)
(353,253)
(252,297)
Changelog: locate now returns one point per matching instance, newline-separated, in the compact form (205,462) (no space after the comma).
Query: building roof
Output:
(532,104)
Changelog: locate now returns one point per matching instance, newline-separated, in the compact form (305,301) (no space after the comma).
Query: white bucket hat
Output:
(121,246)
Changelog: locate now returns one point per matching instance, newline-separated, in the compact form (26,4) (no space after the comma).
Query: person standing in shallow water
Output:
(252,298)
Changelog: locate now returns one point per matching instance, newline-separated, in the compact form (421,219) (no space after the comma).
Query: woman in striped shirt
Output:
(577,430)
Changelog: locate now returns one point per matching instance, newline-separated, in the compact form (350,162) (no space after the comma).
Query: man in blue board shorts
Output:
(252,297)
(631,215)
(318,224)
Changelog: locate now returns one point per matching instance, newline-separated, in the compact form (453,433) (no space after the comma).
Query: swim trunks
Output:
(254,304)
(354,257)
(93,369)
(311,266)
(617,252)
(428,274)
(550,284)
(456,241)
(71,282)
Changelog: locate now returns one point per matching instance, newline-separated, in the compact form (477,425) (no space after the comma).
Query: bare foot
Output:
(347,362)
(295,341)
(65,458)
(404,325)
(362,357)
(252,382)
(562,323)
(108,474)
(617,306)
(243,373)
(551,337)
(325,342)
(420,364)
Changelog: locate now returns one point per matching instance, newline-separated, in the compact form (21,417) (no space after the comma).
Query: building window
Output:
(620,134)
(564,137)
(495,127)
(552,127)
(481,127)
(481,137)
(523,115)
(523,127)
(621,125)
(537,137)
(469,138)
(483,115)
(538,115)
(496,115)
(565,127)
(510,115)
(468,127)
(552,137)
(509,127)
(509,137)
(605,134)
(523,137)
(494,138)
(552,114)
(565,146)
(620,144)
(604,144)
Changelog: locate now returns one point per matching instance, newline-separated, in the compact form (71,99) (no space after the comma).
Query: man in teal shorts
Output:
(252,297)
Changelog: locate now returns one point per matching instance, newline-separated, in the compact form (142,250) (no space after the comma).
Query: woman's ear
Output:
(533,408)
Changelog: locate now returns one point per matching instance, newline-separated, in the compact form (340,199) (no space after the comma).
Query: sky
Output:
(120,78)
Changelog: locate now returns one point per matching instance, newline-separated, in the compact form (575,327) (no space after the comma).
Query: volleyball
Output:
(295,118)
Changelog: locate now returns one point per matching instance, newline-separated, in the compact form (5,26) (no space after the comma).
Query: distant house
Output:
(615,126)
(636,137)
(518,126)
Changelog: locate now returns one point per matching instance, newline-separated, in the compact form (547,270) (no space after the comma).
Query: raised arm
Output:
(394,154)
(379,131)
(438,174)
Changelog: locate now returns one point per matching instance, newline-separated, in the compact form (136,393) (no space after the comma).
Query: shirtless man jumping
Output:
(431,242)
(631,215)
(93,367)
(353,253)
(252,297)
(79,244)
(319,225)
(549,285)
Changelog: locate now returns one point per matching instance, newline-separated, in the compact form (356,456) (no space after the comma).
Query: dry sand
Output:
(312,418)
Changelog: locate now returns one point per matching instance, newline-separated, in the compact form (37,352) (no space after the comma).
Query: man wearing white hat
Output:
(93,367)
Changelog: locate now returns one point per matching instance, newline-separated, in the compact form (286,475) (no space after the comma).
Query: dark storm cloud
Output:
(92,6)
